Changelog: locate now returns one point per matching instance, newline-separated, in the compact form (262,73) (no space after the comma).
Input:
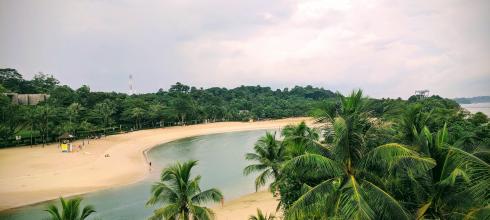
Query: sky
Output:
(389,48)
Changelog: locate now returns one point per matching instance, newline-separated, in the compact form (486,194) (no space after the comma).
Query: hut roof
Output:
(66,135)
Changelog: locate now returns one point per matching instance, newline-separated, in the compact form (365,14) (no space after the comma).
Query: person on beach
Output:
(149,166)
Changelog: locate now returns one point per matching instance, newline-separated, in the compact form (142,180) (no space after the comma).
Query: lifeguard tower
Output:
(65,140)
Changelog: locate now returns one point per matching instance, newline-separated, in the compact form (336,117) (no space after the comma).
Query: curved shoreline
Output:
(33,175)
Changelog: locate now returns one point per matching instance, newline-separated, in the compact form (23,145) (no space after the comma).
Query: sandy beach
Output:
(30,175)
(247,205)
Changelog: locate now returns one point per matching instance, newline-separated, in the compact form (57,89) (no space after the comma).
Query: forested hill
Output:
(477,99)
(180,102)
(82,110)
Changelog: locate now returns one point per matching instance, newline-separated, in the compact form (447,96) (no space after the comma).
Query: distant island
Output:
(477,99)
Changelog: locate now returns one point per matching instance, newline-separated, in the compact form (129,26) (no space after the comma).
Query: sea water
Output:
(221,161)
(478,107)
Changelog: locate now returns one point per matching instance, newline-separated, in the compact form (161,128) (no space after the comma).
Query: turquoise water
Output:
(221,162)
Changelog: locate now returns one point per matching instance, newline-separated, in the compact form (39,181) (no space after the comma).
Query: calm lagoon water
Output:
(221,162)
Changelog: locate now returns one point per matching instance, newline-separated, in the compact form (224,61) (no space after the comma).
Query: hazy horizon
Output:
(387,48)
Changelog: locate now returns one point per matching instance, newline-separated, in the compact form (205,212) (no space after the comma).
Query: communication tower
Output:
(131,91)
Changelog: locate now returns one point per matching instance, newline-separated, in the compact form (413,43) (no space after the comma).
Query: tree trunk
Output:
(31,134)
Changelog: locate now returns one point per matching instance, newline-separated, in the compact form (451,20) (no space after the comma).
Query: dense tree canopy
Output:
(83,112)
(425,158)
(421,158)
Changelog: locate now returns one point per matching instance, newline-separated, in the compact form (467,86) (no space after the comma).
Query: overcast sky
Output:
(388,48)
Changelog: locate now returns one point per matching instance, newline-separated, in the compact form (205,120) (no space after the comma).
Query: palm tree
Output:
(299,138)
(86,127)
(269,155)
(104,111)
(70,210)
(156,112)
(348,189)
(44,114)
(411,123)
(181,194)
(457,186)
(73,111)
(261,216)
(136,114)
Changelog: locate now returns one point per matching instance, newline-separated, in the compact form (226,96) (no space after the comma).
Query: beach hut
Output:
(65,144)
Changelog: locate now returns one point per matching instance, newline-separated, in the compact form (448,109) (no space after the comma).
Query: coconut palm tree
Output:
(136,114)
(347,187)
(269,155)
(44,114)
(411,123)
(456,187)
(181,195)
(70,210)
(299,138)
(104,111)
(261,216)
(156,113)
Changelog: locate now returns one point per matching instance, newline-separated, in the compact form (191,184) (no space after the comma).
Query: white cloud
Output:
(389,48)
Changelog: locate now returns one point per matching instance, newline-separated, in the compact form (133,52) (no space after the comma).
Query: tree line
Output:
(419,159)
(83,112)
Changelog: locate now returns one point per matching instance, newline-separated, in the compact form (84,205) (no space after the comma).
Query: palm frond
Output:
(254,168)
(53,211)
(353,203)
(385,206)
(312,163)
(475,169)
(457,173)
(480,213)
(171,211)
(261,216)
(201,213)
(252,156)
(393,155)
(87,210)
(262,179)
(422,210)
(208,195)
(324,195)
(161,193)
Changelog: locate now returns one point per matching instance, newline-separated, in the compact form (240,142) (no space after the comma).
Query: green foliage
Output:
(261,216)
(421,158)
(269,154)
(44,83)
(11,80)
(181,195)
(299,138)
(479,119)
(109,112)
(70,210)
(102,113)
(357,172)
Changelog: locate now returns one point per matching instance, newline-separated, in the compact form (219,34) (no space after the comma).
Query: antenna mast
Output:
(131,91)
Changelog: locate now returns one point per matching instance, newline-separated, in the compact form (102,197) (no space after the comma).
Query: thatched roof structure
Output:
(66,136)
